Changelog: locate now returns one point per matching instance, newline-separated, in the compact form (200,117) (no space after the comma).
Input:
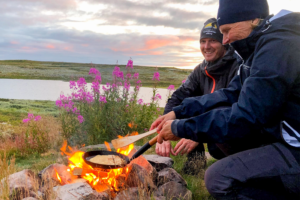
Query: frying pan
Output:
(90,154)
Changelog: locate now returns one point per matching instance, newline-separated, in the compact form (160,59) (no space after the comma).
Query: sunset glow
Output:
(153,33)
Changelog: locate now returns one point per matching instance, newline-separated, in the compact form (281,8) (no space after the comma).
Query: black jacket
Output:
(205,78)
(265,94)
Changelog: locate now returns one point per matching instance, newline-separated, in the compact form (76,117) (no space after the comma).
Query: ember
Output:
(99,179)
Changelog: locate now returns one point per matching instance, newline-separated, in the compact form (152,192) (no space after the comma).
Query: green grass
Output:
(13,111)
(26,69)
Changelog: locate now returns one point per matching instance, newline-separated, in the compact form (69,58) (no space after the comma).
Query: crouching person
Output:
(263,110)
(214,73)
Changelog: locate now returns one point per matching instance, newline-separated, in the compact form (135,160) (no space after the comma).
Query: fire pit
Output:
(98,178)
(80,181)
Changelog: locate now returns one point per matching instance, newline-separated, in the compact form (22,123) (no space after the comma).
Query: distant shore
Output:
(26,69)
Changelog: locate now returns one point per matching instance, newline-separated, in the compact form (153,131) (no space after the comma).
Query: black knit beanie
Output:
(211,30)
(232,11)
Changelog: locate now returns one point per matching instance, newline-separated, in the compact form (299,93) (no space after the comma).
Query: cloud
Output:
(79,30)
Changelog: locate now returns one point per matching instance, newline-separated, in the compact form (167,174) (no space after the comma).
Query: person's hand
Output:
(159,122)
(164,149)
(166,133)
(185,146)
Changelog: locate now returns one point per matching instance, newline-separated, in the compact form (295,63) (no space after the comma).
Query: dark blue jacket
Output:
(264,94)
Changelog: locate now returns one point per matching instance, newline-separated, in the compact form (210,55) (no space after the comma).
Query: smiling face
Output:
(237,31)
(211,49)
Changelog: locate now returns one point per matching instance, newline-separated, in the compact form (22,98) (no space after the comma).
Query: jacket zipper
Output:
(214,81)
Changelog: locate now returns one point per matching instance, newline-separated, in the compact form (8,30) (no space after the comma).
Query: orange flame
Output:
(99,181)
(58,177)
(107,146)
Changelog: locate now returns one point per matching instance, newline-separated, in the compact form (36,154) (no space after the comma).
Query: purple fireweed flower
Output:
(72,84)
(30,116)
(139,81)
(171,87)
(126,85)
(119,83)
(155,76)
(75,111)
(137,87)
(107,84)
(59,103)
(98,78)
(129,64)
(104,88)
(128,76)
(127,105)
(102,99)
(118,73)
(80,119)
(94,71)
(140,101)
(96,86)
(26,120)
(37,118)
(157,96)
(81,82)
(158,109)
(136,75)
(183,81)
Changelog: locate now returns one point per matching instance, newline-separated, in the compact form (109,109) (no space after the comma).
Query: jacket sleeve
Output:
(194,106)
(191,87)
(261,100)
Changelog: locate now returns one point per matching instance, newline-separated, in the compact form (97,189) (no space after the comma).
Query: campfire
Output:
(99,179)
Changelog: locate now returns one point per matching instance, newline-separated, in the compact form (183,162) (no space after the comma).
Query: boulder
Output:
(138,177)
(49,174)
(134,193)
(159,162)
(142,161)
(174,191)
(78,191)
(23,184)
(169,174)
(95,147)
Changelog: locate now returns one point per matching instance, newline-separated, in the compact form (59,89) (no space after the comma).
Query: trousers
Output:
(268,172)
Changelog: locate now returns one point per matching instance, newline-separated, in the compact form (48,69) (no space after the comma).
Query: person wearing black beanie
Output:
(262,107)
(215,72)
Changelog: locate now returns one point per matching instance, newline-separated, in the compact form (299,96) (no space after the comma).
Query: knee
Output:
(217,183)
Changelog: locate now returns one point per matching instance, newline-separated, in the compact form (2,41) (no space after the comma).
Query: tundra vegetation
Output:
(32,132)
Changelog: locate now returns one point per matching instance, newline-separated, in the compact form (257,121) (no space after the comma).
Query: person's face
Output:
(235,31)
(211,49)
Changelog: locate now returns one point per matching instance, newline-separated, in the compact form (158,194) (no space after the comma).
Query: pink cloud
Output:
(14,42)
(50,46)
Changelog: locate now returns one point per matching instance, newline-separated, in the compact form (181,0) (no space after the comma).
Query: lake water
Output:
(50,90)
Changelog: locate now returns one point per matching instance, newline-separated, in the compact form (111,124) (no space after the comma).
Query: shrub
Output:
(100,113)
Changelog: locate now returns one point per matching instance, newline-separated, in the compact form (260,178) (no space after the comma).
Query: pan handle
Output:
(144,148)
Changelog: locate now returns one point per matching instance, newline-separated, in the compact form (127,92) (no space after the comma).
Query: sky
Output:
(152,32)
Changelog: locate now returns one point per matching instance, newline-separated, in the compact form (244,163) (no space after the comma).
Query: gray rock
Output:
(96,147)
(132,194)
(174,191)
(139,177)
(159,162)
(169,174)
(49,173)
(78,191)
(142,161)
(23,184)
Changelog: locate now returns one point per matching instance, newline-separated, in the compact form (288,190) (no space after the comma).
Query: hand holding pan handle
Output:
(144,148)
